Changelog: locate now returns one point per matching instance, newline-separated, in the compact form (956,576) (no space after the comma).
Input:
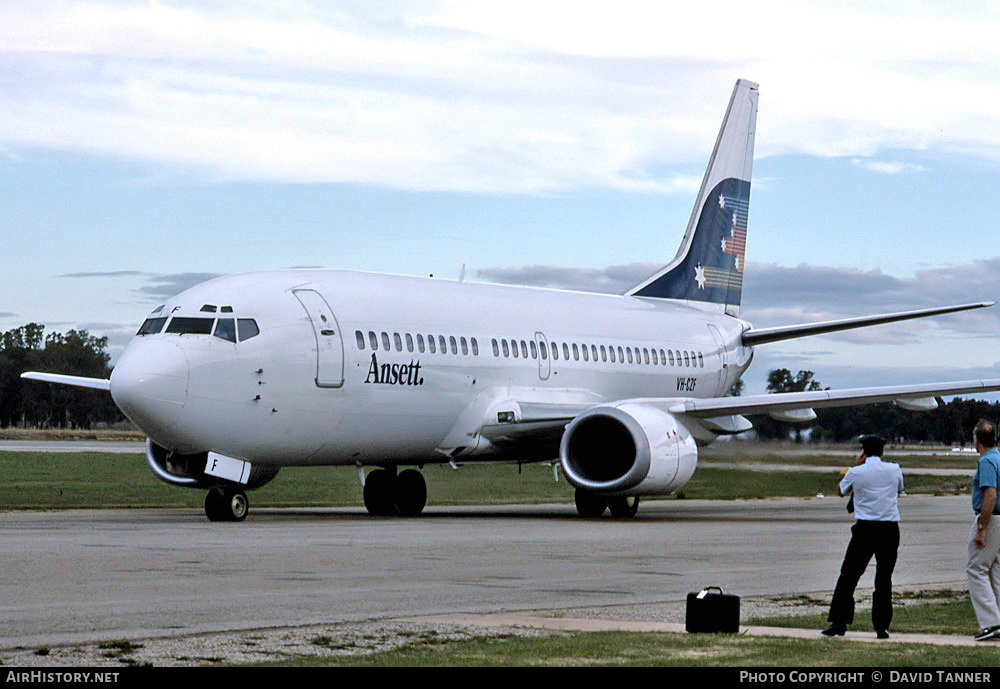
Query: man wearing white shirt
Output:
(876,486)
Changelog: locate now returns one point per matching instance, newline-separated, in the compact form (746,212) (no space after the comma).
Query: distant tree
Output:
(29,403)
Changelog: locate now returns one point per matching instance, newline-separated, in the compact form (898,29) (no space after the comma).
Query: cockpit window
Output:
(152,326)
(209,308)
(247,328)
(191,326)
(226,329)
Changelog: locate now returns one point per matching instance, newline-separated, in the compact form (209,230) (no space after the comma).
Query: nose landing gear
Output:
(226,504)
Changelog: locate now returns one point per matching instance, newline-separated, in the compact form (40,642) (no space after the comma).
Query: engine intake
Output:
(628,449)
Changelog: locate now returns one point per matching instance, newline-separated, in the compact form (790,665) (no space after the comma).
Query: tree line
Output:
(31,404)
(951,423)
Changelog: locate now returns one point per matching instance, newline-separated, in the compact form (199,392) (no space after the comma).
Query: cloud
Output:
(511,97)
(7,314)
(610,280)
(889,167)
(163,287)
(779,295)
(160,286)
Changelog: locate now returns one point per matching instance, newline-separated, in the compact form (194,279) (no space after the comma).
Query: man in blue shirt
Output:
(876,485)
(983,568)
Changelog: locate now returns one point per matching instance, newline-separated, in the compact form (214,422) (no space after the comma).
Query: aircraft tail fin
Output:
(707,271)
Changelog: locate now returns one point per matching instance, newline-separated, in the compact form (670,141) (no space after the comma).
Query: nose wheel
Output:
(225,504)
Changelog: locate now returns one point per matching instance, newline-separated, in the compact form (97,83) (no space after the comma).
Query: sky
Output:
(147,146)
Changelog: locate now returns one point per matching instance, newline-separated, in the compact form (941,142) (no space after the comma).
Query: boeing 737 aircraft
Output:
(242,375)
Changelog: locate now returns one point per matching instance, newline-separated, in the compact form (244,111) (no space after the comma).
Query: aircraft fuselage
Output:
(360,368)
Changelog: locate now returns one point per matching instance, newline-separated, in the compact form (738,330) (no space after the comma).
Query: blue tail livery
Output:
(707,271)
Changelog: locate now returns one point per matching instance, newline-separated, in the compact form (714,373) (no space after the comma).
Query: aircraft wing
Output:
(917,396)
(76,381)
(542,425)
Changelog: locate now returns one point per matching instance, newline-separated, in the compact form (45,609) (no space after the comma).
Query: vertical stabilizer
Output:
(707,271)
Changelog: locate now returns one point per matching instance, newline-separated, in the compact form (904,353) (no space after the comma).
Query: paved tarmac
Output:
(77,576)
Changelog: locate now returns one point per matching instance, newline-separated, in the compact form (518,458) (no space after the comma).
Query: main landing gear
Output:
(226,504)
(387,494)
(591,505)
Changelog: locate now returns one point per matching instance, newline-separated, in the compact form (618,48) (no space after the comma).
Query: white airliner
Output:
(242,375)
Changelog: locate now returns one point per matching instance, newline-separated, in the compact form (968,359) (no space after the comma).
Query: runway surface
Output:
(76,576)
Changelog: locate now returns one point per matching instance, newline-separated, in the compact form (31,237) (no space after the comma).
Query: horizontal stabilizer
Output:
(75,381)
(758,336)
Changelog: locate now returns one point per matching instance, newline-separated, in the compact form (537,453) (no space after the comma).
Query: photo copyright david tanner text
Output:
(930,677)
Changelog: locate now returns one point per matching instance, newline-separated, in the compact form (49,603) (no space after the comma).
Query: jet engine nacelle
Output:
(628,449)
(189,470)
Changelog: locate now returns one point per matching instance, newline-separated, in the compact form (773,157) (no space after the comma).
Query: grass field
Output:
(665,649)
(95,480)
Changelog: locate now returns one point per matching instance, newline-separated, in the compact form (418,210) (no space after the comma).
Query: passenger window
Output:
(513,346)
(701,360)
(645,355)
(399,342)
(385,342)
(430,344)
(586,353)
(475,347)
(357,333)
(629,351)
(454,345)
(409,342)
(524,349)
(226,329)
(465,346)
(420,343)
(555,352)
(543,350)
(496,347)
(656,359)
(663,358)
(442,344)
(506,350)
(565,349)
(687,359)
(611,352)
(247,328)
(373,340)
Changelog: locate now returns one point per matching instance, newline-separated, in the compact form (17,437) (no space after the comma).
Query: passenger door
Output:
(329,343)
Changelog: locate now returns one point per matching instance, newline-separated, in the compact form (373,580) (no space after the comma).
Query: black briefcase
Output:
(711,610)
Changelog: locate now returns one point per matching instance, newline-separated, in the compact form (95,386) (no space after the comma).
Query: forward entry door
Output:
(329,343)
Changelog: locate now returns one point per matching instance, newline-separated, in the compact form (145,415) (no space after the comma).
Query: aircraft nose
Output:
(150,383)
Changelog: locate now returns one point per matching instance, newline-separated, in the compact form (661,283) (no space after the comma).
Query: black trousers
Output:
(880,539)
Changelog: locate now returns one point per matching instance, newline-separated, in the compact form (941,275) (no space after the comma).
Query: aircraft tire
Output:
(213,505)
(226,505)
(590,505)
(379,493)
(410,493)
(623,507)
